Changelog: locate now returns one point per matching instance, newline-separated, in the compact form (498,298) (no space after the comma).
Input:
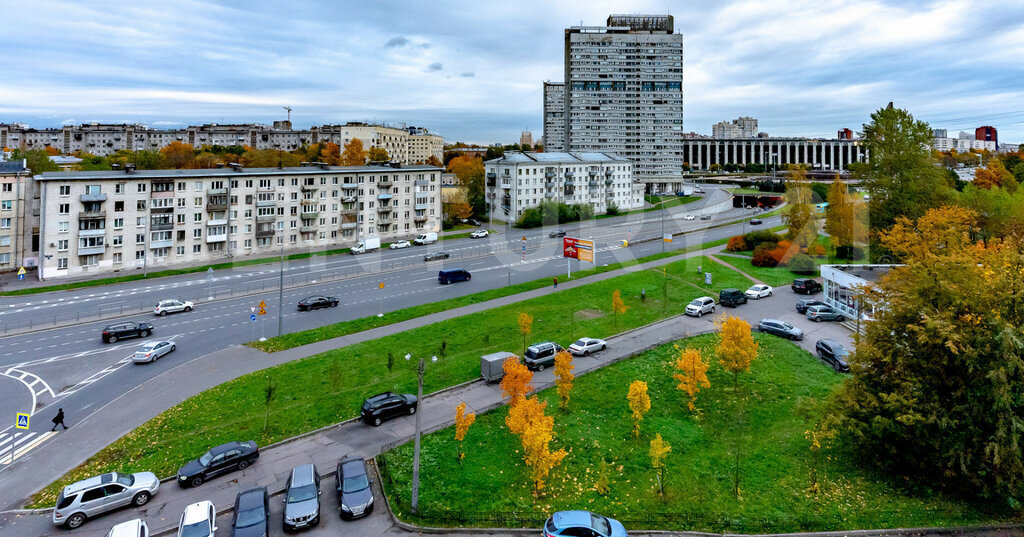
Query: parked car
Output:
(131,528)
(780,328)
(434,256)
(114,332)
(446,277)
(823,313)
(96,495)
(251,513)
(705,217)
(479,234)
(387,405)
(582,524)
(759,291)
(689,217)
(556,234)
(700,306)
(425,238)
(198,520)
(302,498)
(805,286)
(152,351)
(584,346)
(355,497)
(802,305)
(172,306)
(732,297)
(399,244)
(834,354)
(471,221)
(218,460)
(756,222)
(541,355)
(316,302)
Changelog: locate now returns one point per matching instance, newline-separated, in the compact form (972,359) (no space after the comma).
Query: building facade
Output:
(623,92)
(741,127)
(96,222)
(987,133)
(523,180)
(843,287)
(16,197)
(554,116)
(526,139)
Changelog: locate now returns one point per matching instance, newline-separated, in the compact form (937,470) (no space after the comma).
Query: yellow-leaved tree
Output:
(659,450)
(564,378)
(525,326)
(639,403)
(462,423)
(535,430)
(736,351)
(378,154)
(618,307)
(692,374)
(515,383)
(354,154)
(801,225)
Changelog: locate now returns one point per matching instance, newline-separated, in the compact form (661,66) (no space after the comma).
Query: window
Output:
(62,263)
(6,205)
(140,205)
(62,227)
(197,233)
(119,188)
(140,255)
(8,187)
(181,202)
(140,238)
(248,243)
(198,202)
(181,186)
(118,223)
(141,187)
(180,218)
(161,252)
(180,250)
(5,259)
(65,190)
(62,244)
(264,183)
(90,260)
(140,221)
(161,236)
(197,248)
(198,186)
(64,208)
(197,217)
(117,258)
(118,239)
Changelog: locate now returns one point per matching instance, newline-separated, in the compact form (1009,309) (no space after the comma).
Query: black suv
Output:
(387,405)
(114,332)
(804,303)
(540,355)
(732,297)
(223,458)
(805,286)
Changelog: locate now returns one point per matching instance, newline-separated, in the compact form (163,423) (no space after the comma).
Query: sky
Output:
(473,72)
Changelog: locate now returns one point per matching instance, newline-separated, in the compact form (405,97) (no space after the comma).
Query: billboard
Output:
(578,249)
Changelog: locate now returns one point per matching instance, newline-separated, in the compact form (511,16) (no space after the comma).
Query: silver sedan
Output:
(152,351)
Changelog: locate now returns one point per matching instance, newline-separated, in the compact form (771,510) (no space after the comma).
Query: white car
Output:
(689,217)
(198,520)
(759,291)
(478,234)
(152,351)
(399,244)
(132,528)
(172,306)
(700,306)
(587,345)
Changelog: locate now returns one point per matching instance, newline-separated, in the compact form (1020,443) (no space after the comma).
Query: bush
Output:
(531,218)
(763,255)
(737,244)
(783,251)
(754,238)
(816,250)
(802,264)
(612,209)
(849,252)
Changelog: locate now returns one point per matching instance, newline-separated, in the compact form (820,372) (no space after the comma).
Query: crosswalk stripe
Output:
(23,443)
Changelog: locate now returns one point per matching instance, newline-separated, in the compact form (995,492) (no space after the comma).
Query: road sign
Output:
(380,285)
(569,248)
(252,309)
(21,273)
(263,307)
(667,237)
(252,318)
(21,422)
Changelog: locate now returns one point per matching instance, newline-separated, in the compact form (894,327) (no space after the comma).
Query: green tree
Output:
(801,225)
(839,222)
(378,154)
(37,160)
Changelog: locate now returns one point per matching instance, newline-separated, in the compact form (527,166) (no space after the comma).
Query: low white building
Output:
(843,284)
(523,180)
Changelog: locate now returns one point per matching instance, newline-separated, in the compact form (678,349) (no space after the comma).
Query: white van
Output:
(425,238)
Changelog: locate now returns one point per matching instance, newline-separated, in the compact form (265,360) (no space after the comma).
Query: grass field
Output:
(328,388)
(781,397)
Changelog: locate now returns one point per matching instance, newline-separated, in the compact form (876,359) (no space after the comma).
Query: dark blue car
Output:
(453,275)
(252,509)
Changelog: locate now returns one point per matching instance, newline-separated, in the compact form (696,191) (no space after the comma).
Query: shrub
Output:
(802,264)
(763,255)
(531,218)
(754,238)
(816,250)
(783,251)
(849,252)
(612,209)
(737,244)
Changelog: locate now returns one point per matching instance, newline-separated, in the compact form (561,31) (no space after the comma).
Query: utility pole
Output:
(280,294)
(416,445)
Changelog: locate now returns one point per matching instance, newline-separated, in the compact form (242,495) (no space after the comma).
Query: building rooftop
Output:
(226,172)
(556,156)
(13,166)
(868,273)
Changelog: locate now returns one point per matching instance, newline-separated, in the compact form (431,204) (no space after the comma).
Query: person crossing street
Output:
(59,420)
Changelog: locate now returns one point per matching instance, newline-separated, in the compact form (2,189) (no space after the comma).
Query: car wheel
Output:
(112,339)
(145,333)
(769,293)
(470,277)
(712,309)
(412,410)
(603,347)
(334,304)
(586,353)
(699,313)
(140,499)
(376,422)
(75,520)
(188,308)
(792,338)
(173,347)
(163,313)
(243,465)
(196,481)
(817,319)
(540,367)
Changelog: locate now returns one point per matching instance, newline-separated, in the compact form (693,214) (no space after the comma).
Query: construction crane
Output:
(289,109)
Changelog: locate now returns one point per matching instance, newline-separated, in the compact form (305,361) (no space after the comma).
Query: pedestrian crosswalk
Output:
(15,445)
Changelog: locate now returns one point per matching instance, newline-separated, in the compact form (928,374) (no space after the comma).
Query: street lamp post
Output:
(416,445)
(280,293)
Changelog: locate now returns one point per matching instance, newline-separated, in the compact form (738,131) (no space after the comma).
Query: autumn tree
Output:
(692,374)
(839,217)
(618,307)
(801,225)
(602,485)
(462,423)
(993,175)
(525,326)
(516,381)
(819,440)
(659,450)
(736,351)
(536,431)
(330,154)
(432,160)
(639,403)
(378,154)
(470,173)
(564,378)
(354,154)
(179,155)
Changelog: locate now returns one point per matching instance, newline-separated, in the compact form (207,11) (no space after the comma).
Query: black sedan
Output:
(435,256)
(355,497)
(387,405)
(802,305)
(556,234)
(781,329)
(252,509)
(114,332)
(221,459)
(316,302)
(834,354)
(756,222)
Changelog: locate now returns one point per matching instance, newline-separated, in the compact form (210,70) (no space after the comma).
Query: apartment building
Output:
(96,222)
(741,127)
(554,116)
(521,180)
(16,188)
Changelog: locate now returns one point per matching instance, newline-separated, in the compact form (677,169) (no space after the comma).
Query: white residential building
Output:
(554,116)
(962,144)
(741,127)
(522,180)
(16,206)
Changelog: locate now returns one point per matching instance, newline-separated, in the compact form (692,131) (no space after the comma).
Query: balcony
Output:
(420,218)
(550,174)
(161,194)
(216,222)
(385,182)
(349,185)
(266,218)
(348,199)
(92,215)
(506,185)
(608,181)
(264,203)
(593,173)
(549,185)
(549,194)
(492,175)
(162,226)
(594,184)
(161,244)
(308,229)
(608,172)
(91,250)
(164,210)
(216,238)
(384,209)
(609,195)
(263,233)
(349,225)
(384,196)
(351,211)
(217,192)
(568,175)
(87,198)
(91,232)
(307,215)
(309,188)
(421,206)
(424,182)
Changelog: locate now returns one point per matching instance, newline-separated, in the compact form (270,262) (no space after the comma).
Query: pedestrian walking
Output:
(59,420)
(556,282)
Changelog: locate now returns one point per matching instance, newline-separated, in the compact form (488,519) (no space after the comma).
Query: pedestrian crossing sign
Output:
(22,421)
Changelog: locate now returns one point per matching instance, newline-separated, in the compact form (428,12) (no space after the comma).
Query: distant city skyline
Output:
(800,68)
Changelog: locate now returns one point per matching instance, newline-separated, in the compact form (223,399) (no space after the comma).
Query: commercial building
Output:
(964,142)
(844,284)
(987,133)
(16,197)
(741,127)
(554,116)
(521,180)
(526,139)
(105,221)
(623,93)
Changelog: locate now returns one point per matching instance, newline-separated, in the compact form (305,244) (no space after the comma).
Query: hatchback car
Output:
(198,520)
(780,328)
(152,351)
(755,222)
(689,217)
(700,306)
(479,234)
(434,256)
(541,355)
(218,460)
(445,277)
(805,286)
(759,291)
(172,306)
(834,354)
(302,498)
(114,332)
(355,497)
(252,509)
(705,217)
(96,495)
(823,313)
(584,346)
(400,244)
(316,302)
(556,234)
(131,528)
(582,524)
(387,405)
(802,305)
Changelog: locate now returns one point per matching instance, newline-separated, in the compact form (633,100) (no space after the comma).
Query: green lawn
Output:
(781,397)
(328,388)
(774,276)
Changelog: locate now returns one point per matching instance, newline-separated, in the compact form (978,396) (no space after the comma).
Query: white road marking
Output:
(21,445)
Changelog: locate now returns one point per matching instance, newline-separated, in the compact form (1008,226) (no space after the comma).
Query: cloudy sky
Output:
(473,71)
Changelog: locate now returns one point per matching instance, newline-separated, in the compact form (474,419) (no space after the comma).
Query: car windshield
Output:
(697,302)
(126,480)
(301,494)
(199,529)
(841,351)
(148,347)
(581,343)
(355,483)
(250,517)
(787,326)
(601,524)
(205,458)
